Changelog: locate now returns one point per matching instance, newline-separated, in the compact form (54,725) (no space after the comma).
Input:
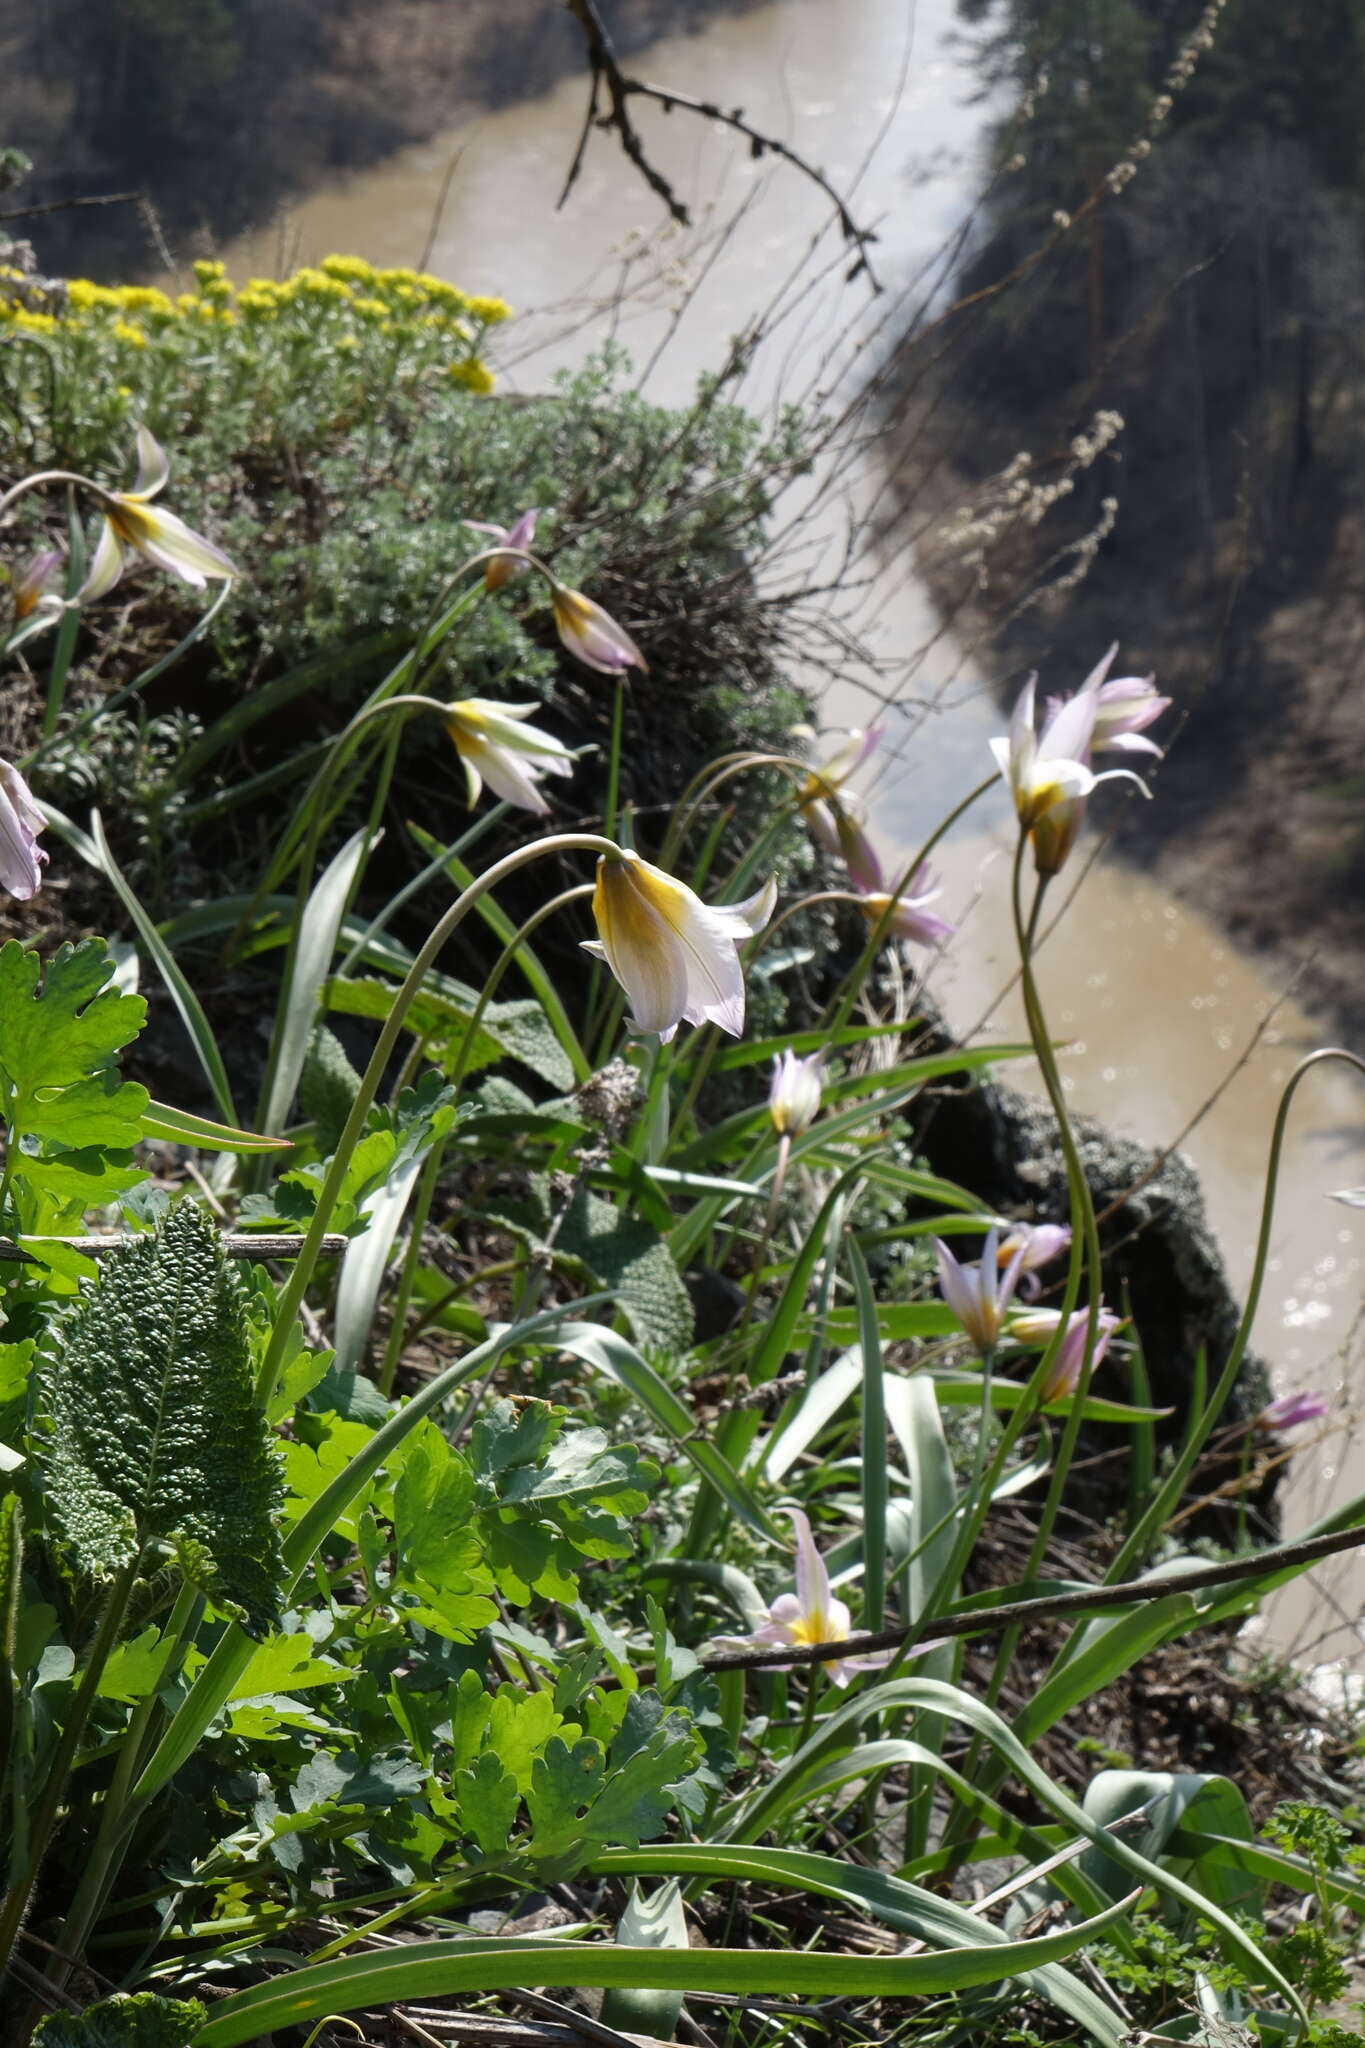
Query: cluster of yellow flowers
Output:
(345,294)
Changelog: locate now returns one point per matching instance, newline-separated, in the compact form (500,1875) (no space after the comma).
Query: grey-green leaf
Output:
(154,1437)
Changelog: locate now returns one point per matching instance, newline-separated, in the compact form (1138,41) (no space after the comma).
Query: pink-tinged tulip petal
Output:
(831,815)
(794,1092)
(21,858)
(500,569)
(832,770)
(910,915)
(1102,667)
(834,827)
(823,827)
(1067,734)
(153,469)
(1289,1410)
(1040,1243)
(169,543)
(1048,777)
(1064,1373)
(593,634)
(105,568)
(676,957)
(809,1616)
(29,586)
(1038,1326)
(498,748)
(1123,708)
(979,1295)
(812,1580)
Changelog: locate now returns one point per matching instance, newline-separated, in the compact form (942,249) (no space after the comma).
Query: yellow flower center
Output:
(814,1628)
(129,521)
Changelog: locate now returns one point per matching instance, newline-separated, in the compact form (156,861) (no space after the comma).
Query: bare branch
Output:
(1089,1600)
(65,205)
(606,70)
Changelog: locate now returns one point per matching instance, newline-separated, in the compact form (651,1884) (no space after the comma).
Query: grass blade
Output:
(181,994)
(318,931)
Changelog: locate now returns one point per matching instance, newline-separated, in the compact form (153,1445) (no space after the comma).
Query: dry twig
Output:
(620,89)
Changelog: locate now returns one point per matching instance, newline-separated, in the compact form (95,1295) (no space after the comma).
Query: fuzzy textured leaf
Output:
(153,1434)
(629,1256)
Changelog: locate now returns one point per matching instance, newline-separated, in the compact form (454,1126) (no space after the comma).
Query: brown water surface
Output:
(1158,1004)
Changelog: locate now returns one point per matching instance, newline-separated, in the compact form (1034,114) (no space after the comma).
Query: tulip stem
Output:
(1138,1544)
(296,1285)
(964,1825)
(43,477)
(614,758)
(426,1189)
(707,782)
(272,1112)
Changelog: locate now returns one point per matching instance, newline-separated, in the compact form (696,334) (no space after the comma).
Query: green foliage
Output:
(153,1437)
(393,1139)
(71,1119)
(554,1499)
(469,1659)
(139,2019)
(1310,1830)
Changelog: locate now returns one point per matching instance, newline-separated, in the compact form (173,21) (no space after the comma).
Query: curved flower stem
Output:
(402,707)
(41,478)
(416,883)
(1153,1520)
(443,615)
(618,706)
(1082,1212)
(426,1190)
(708,781)
(301,1273)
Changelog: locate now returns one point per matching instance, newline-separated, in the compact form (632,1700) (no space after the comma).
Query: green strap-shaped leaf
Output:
(432,1969)
(154,1437)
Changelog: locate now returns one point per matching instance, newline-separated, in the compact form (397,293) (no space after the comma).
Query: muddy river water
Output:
(1156,1002)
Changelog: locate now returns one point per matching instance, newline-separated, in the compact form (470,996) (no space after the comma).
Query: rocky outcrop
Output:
(1162,1263)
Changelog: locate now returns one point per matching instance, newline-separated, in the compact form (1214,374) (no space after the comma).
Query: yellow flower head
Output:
(350,269)
(474,375)
(83,296)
